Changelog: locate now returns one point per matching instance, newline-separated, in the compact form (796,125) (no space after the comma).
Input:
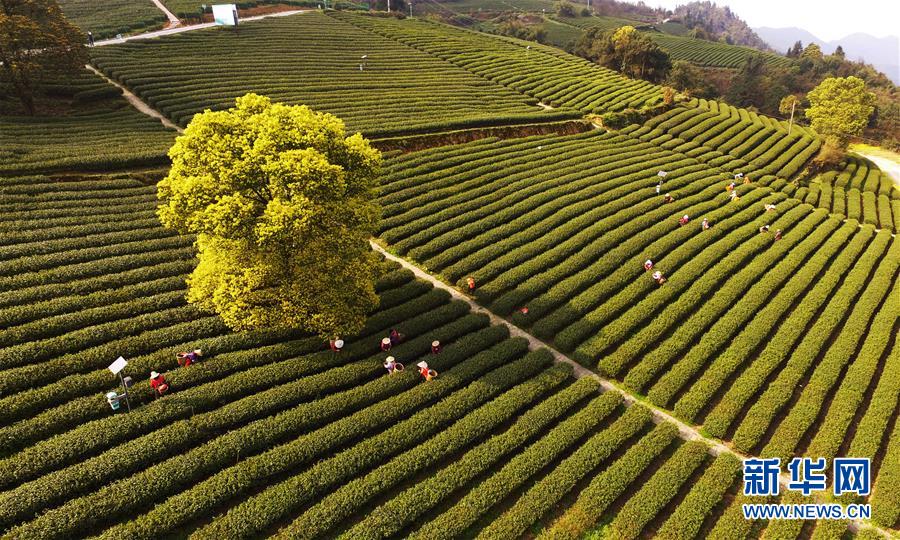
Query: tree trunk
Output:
(21,88)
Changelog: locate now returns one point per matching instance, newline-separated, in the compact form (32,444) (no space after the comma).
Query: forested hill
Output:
(718,24)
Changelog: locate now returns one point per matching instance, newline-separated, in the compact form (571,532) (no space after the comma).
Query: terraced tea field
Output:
(731,138)
(112,17)
(98,131)
(860,191)
(272,429)
(697,51)
(757,344)
(543,72)
(712,53)
(315,60)
(728,342)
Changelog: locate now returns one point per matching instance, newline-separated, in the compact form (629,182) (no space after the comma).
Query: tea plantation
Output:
(112,17)
(680,47)
(395,89)
(93,129)
(273,430)
(593,402)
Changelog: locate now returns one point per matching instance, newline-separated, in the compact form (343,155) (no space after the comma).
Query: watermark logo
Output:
(807,476)
(761,476)
(852,475)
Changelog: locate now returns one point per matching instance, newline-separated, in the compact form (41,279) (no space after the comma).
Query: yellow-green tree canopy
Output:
(812,52)
(789,102)
(839,108)
(282,203)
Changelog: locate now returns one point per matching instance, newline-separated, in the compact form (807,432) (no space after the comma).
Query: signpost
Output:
(116,369)
(225,14)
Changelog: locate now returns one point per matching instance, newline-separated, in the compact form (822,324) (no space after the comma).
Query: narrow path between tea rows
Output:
(688,433)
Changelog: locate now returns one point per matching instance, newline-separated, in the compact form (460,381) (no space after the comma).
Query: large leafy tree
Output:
(689,79)
(36,41)
(788,106)
(626,50)
(839,108)
(748,84)
(282,203)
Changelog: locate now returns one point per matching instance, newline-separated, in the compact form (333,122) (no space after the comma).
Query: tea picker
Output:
(435,347)
(187,358)
(385,344)
(392,365)
(426,372)
(158,383)
(336,345)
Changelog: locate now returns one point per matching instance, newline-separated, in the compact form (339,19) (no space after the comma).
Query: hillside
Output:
(718,23)
(576,395)
(883,53)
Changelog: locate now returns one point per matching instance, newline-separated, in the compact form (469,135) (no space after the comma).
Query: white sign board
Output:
(225,14)
(118,365)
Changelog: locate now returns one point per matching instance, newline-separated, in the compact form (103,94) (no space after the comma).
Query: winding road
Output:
(179,29)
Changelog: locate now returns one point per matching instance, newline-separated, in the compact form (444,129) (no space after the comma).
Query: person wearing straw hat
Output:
(336,345)
(187,358)
(704,225)
(470,281)
(684,220)
(392,365)
(385,344)
(425,371)
(659,277)
(435,347)
(158,383)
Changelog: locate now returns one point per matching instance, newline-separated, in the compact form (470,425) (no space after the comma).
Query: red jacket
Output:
(157,382)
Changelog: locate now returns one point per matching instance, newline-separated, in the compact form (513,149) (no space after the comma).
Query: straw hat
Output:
(423,364)
(435,343)
(339,343)
(386,341)
(154,374)
(389,359)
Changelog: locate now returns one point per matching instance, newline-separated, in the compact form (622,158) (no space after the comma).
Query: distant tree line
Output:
(762,87)
(711,22)
(625,50)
